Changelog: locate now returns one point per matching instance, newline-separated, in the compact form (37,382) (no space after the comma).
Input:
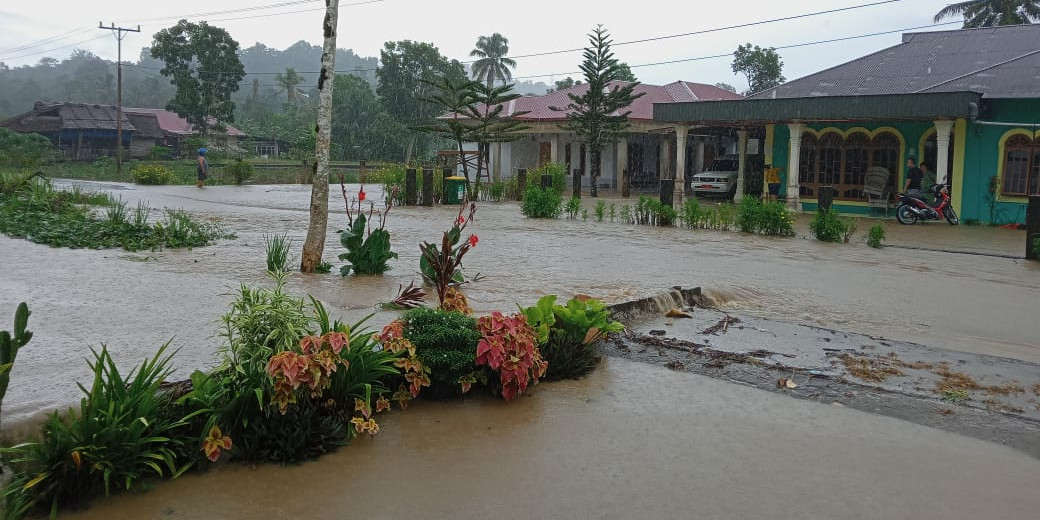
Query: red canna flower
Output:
(473,240)
(461,220)
(361,195)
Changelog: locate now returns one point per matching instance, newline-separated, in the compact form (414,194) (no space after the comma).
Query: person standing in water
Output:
(201,168)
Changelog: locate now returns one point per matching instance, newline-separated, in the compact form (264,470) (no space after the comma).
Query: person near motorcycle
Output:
(913,178)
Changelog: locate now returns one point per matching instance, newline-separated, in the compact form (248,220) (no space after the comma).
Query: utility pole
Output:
(120,34)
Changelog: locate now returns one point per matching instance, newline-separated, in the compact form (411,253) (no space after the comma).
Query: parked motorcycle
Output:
(911,209)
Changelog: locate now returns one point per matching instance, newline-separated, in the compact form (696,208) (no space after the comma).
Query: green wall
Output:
(981,157)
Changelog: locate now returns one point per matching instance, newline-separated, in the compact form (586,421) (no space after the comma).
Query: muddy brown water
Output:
(135,301)
(673,443)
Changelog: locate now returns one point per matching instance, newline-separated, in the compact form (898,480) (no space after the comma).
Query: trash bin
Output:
(454,190)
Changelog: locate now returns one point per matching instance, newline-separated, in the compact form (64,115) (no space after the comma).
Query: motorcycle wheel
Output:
(905,215)
(951,216)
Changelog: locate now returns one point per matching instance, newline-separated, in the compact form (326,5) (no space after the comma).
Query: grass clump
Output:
(876,235)
(74,218)
(278,252)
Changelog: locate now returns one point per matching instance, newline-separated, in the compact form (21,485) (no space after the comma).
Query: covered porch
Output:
(649,152)
(835,141)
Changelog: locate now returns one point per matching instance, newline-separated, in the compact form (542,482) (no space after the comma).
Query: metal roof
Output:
(906,107)
(998,62)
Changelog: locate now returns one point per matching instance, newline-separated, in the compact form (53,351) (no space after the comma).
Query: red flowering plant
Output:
(442,266)
(509,346)
(368,250)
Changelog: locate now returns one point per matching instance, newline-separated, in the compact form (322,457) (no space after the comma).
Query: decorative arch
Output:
(835,157)
(1018,171)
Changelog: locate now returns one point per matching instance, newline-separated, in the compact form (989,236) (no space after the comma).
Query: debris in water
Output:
(675,365)
(657,332)
(669,322)
(678,313)
(722,325)
(786,383)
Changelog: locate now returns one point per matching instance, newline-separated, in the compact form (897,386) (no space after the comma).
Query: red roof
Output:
(172,123)
(540,107)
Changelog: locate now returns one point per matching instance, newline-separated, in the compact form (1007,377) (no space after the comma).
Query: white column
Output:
(741,164)
(679,192)
(665,159)
(698,165)
(794,155)
(622,164)
(496,162)
(943,128)
(554,148)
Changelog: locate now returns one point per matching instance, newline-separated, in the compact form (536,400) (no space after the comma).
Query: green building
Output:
(966,103)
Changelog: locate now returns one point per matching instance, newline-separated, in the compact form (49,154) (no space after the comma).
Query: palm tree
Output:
(493,64)
(989,13)
(288,82)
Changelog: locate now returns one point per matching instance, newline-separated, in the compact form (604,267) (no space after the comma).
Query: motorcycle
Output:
(911,209)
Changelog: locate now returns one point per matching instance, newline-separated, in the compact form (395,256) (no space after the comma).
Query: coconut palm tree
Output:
(492,64)
(989,13)
(289,82)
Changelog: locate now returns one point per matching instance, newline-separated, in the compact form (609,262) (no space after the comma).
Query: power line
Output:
(45,41)
(668,62)
(187,16)
(790,46)
(53,49)
(717,29)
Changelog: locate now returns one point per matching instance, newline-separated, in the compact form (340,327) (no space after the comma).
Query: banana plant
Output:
(9,345)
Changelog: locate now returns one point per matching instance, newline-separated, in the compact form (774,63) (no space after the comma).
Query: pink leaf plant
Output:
(509,346)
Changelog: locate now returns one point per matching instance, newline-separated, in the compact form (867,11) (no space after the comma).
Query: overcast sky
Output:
(35,29)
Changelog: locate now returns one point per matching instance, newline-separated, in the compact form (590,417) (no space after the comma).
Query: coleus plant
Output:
(509,346)
(311,368)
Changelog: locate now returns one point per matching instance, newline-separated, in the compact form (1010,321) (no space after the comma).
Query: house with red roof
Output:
(648,153)
(86,131)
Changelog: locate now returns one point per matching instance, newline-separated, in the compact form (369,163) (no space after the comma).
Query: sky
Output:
(33,30)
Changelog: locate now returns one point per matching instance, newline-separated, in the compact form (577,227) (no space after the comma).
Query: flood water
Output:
(631,441)
(134,302)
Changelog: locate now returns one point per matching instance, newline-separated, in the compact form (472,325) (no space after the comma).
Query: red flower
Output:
(461,220)
(361,195)
(473,240)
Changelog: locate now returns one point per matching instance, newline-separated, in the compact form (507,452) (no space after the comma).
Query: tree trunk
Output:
(576,182)
(314,245)
(594,159)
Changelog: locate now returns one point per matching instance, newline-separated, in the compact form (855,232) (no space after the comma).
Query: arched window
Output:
(1021,166)
(842,162)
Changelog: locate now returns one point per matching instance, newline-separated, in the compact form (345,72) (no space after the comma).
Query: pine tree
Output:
(598,117)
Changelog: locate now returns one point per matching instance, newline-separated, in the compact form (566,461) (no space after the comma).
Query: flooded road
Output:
(632,441)
(134,302)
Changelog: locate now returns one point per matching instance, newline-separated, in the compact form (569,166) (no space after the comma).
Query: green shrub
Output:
(626,215)
(613,213)
(539,203)
(126,430)
(650,211)
(776,220)
(446,343)
(159,153)
(600,210)
(279,248)
(584,214)
(25,151)
(391,175)
(749,218)
(10,343)
(828,226)
(151,173)
(573,207)
(239,170)
(876,235)
(567,334)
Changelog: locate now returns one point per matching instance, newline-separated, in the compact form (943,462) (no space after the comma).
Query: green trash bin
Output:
(454,190)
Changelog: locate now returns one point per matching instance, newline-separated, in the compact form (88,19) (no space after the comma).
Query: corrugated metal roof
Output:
(172,123)
(995,61)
